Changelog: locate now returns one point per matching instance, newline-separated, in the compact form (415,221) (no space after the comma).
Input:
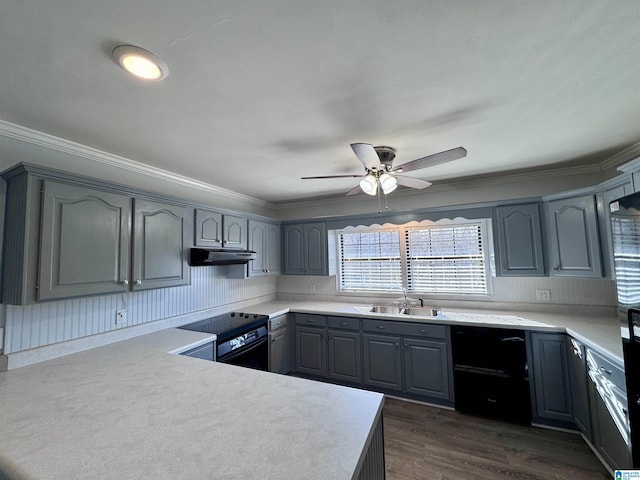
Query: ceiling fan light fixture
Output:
(369,184)
(388,183)
(139,62)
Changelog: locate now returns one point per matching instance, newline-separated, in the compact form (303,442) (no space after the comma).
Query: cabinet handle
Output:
(311,320)
(424,330)
(273,340)
(556,267)
(380,327)
(604,370)
(343,324)
(138,282)
(125,282)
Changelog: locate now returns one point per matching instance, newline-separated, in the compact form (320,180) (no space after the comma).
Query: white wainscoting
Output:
(48,323)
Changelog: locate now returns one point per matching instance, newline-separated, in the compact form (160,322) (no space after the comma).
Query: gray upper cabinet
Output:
(85,242)
(622,187)
(264,239)
(69,237)
(573,237)
(519,240)
(160,245)
(550,375)
(305,249)
(217,230)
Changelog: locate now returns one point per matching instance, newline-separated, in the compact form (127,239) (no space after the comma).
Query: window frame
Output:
(488,257)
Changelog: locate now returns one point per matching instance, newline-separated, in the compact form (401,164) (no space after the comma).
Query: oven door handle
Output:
(242,350)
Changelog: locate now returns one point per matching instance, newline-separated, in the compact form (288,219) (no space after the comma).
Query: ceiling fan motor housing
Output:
(386,156)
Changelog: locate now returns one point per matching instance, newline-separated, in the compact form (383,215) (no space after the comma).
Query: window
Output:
(370,261)
(449,258)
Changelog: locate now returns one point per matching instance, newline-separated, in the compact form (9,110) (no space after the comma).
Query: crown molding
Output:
(34,137)
(624,160)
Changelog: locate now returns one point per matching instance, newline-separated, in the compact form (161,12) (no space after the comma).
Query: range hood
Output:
(200,257)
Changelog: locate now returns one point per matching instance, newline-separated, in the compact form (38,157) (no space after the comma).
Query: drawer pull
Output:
(424,330)
(343,324)
(604,370)
(380,327)
(492,400)
(311,320)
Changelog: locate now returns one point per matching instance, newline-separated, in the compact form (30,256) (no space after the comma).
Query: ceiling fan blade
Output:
(367,155)
(412,182)
(332,176)
(431,160)
(355,190)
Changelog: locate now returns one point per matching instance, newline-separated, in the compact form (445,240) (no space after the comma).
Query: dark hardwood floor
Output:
(423,442)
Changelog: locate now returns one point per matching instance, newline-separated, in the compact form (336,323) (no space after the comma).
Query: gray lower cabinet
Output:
(607,397)
(382,361)
(550,379)
(311,345)
(425,368)
(279,350)
(576,353)
(519,240)
(344,356)
(573,237)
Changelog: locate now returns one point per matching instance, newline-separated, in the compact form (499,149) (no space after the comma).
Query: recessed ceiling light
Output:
(140,62)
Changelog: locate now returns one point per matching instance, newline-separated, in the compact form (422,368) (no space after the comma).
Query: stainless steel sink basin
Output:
(387,309)
(423,311)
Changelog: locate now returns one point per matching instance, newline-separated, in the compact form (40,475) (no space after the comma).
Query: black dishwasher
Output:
(490,373)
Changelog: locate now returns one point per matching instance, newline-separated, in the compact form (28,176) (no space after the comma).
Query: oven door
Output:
(253,355)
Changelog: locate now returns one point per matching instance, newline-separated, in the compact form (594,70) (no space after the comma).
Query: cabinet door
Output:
(208,231)
(234,232)
(85,242)
(382,361)
(279,351)
(550,374)
(608,196)
(579,386)
(573,237)
(315,245)
(311,352)
(426,369)
(344,356)
(160,248)
(272,249)
(294,263)
(257,241)
(519,240)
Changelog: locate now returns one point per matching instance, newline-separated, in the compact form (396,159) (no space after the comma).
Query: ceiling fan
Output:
(379,170)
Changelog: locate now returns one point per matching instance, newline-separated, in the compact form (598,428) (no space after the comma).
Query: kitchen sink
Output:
(395,310)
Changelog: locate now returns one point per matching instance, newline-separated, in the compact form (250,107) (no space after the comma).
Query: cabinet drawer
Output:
(605,367)
(312,320)
(345,323)
(277,322)
(405,328)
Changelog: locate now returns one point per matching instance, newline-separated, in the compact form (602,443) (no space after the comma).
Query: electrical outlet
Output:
(121,317)
(543,295)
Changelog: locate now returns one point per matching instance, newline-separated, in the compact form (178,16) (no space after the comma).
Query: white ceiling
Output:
(261,93)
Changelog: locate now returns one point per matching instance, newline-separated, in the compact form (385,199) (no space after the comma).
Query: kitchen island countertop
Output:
(133,410)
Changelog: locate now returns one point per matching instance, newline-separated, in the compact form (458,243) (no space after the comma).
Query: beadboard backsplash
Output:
(568,295)
(47,323)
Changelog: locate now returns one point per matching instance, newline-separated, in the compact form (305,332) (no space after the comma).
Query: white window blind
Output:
(446,259)
(370,261)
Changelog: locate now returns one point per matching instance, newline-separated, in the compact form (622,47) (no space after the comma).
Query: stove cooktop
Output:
(228,325)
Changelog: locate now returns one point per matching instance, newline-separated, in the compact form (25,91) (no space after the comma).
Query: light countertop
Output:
(132,410)
(601,333)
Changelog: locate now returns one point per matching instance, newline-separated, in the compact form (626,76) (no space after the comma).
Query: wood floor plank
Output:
(430,443)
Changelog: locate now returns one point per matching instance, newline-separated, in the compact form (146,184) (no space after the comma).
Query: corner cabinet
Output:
(91,240)
(305,249)
(264,239)
(573,237)
(519,240)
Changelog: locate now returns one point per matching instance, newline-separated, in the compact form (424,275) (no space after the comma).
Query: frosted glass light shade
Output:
(369,185)
(388,183)
(140,62)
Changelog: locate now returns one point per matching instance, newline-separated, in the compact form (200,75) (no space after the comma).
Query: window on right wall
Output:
(447,257)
